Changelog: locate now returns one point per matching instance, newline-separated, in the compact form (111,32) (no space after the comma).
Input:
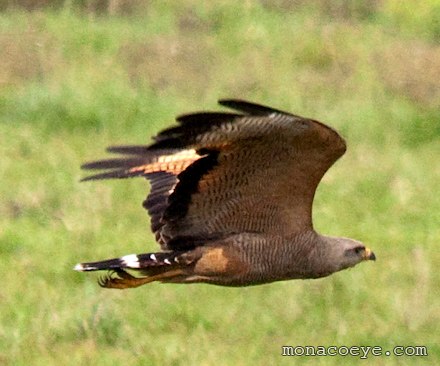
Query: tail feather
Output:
(133,261)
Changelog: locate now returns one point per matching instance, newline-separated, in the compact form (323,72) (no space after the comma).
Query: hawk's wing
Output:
(217,174)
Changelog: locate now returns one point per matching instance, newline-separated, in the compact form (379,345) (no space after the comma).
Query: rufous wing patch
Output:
(174,164)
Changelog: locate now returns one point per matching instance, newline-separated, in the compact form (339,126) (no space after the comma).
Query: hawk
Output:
(231,200)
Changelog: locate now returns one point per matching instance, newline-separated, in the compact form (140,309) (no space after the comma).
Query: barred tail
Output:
(132,261)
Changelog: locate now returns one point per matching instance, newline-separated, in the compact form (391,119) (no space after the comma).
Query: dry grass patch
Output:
(91,7)
(26,56)
(169,61)
(411,69)
(339,9)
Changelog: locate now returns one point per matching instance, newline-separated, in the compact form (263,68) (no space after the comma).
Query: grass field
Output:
(78,76)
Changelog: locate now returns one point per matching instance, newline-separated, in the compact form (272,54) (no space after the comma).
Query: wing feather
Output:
(221,173)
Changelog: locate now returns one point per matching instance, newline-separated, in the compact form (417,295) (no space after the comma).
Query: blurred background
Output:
(77,76)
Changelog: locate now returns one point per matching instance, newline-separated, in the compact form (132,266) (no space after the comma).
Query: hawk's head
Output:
(342,253)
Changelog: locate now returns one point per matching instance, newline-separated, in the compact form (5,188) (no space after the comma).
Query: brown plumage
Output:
(231,200)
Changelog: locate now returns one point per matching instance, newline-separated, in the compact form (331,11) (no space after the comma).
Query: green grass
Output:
(74,79)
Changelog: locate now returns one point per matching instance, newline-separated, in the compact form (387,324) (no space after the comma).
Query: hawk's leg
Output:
(121,279)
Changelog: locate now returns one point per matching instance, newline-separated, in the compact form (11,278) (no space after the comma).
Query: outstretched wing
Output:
(217,174)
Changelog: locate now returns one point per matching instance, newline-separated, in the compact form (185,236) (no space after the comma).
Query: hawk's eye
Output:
(358,250)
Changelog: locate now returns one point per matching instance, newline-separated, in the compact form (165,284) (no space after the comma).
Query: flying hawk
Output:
(231,200)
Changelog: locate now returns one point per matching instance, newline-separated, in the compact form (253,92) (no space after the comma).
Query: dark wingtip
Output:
(197,118)
(119,174)
(249,107)
(128,149)
(167,144)
(124,163)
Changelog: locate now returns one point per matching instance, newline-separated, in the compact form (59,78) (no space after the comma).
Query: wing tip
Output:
(249,107)
(128,149)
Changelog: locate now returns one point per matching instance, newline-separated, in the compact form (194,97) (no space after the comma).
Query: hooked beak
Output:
(369,255)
